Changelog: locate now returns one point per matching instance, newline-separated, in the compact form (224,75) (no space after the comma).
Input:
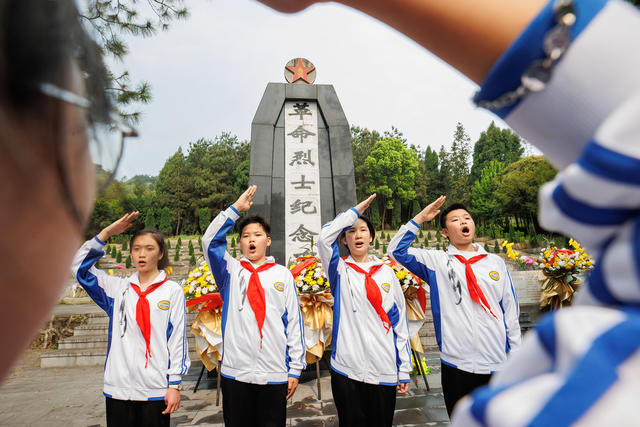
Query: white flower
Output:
(316,274)
(305,288)
(303,272)
(211,288)
(315,287)
(210,279)
(204,290)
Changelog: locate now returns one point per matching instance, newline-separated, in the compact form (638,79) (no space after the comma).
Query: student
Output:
(474,305)
(263,349)
(370,357)
(147,353)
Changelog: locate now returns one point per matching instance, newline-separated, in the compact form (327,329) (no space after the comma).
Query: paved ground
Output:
(73,396)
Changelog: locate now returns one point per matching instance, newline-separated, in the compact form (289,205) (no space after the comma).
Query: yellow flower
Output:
(320,281)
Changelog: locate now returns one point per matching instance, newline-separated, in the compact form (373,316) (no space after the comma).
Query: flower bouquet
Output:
(201,293)
(561,268)
(415,300)
(316,304)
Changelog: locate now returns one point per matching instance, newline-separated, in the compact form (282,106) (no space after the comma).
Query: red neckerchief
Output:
(143,314)
(373,292)
(472,282)
(255,292)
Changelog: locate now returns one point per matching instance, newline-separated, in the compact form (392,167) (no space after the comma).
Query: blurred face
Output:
(460,228)
(145,253)
(357,239)
(254,243)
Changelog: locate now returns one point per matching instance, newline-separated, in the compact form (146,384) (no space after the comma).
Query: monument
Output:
(300,160)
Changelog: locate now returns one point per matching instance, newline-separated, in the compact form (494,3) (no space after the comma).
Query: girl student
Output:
(147,353)
(370,359)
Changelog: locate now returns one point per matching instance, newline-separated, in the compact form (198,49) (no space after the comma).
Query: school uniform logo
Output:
(494,275)
(385,287)
(279,286)
(164,304)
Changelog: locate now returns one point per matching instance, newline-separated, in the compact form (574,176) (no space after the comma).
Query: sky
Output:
(208,74)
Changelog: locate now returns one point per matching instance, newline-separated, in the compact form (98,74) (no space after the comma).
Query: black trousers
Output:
(457,383)
(361,404)
(253,405)
(136,413)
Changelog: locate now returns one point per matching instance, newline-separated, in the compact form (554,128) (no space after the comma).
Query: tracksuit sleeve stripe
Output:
(399,250)
(583,212)
(610,164)
(214,245)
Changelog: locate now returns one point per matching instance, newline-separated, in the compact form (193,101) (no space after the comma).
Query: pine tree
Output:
(384,248)
(176,257)
(124,245)
(376,244)
(192,260)
(127,262)
(179,244)
(496,247)
(428,236)
(233,242)
(420,235)
(199,241)
(119,257)
(168,244)
(486,246)
(233,252)
(438,245)
(190,248)
(438,236)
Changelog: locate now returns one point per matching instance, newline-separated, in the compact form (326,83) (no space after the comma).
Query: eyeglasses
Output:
(106,140)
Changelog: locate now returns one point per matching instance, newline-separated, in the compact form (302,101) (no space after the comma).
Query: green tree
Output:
(179,243)
(191,250)
(127,261)
(119,257)
(362,142)
(204,218)
(391,170)
(173,188)
(496,247)
(150,219)
(168,244)
(192,260)
(124,245)
(164,222)
(460,191)
(485,205)
(495,144)
(517,189)
(176,256)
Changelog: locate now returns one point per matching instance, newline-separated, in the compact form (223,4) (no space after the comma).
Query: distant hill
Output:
(146,181)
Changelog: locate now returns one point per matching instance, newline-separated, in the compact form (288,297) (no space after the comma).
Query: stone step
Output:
(91,329)
(80,357)
(84,342)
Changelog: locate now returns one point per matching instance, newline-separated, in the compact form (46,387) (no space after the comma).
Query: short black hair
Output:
(159,238)
(445,212)
(253,219)
(372,230)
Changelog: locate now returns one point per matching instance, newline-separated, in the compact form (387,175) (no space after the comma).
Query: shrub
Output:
(127,262)
(384,248)
(376,244)
(176,257)
(124,245)
(192,260)
(486,246)
(438,236)
(429,235)
(233,252)
(496,247)
(119,257)
(199,241)
(233,242)
(168,244)
(420,235)
(438,245)
(190,248)
(179,241)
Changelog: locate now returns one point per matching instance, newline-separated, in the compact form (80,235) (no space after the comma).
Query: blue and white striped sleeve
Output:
(328,248)
(101,287)
(417,261)
(214,247)
(296,349)
(177,345)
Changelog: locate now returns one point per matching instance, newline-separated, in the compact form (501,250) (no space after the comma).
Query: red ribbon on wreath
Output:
(211,301)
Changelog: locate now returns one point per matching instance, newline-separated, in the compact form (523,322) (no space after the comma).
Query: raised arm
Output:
(214,241)
(101,287)
(418,261)
(328,248)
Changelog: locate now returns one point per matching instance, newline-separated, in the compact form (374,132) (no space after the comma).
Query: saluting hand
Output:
(364,205)
(431,211)
(118,226)
(245,201)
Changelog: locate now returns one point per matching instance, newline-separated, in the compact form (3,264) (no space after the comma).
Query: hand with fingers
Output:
(364,205)
(431,211)
(402,388)
(291,387)
(245,201)
(172,400)
(119,226)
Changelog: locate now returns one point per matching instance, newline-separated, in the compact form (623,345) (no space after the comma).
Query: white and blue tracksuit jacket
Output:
(283,352)
(362,349)
(581,364)
(125,375)
(469,338)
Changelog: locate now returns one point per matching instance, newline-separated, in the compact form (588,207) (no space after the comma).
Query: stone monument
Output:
(300,160)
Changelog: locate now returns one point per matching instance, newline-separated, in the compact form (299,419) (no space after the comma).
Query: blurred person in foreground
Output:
(564,75)
(52,84)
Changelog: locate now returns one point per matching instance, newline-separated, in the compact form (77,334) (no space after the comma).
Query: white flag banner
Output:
(302,178)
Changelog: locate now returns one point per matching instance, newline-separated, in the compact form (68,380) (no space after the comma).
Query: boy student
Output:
(474,305)
(263,341)
(370,359)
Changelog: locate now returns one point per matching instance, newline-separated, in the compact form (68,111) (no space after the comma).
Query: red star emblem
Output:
(300,71)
